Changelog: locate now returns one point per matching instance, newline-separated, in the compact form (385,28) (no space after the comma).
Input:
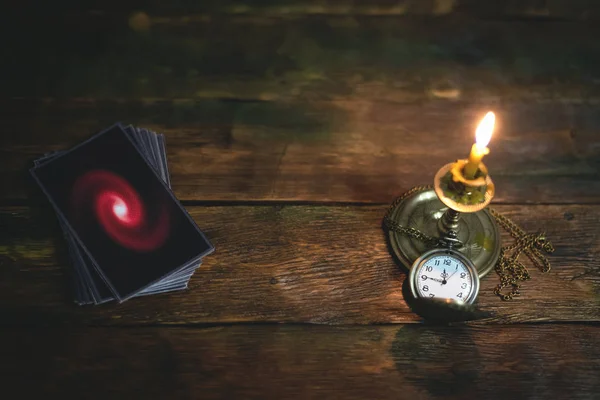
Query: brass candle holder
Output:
(453,211)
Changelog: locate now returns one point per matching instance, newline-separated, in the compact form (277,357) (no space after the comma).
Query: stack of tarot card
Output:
(126,232)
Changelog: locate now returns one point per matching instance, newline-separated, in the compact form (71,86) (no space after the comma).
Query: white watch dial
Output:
(446,277)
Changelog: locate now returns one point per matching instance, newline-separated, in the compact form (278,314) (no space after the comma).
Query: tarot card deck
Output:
(126,232)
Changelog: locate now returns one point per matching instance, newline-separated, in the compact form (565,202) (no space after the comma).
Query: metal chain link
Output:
(508,266)
(411,232)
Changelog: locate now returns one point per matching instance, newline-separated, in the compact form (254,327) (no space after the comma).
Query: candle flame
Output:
(484,130)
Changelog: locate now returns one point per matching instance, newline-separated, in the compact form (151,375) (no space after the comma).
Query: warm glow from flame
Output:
(484,130)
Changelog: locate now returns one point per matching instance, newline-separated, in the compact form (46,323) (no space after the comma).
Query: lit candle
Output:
(479,149)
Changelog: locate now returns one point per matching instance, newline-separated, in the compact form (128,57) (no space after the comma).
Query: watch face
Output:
(445,274)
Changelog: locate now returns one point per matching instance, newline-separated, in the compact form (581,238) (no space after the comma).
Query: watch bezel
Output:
(452,253)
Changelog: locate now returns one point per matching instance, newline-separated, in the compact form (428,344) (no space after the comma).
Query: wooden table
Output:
(290,127)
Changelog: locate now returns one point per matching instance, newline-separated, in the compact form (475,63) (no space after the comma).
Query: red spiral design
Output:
(120,211)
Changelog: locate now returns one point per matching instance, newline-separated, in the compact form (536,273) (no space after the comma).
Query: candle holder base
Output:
(422,210)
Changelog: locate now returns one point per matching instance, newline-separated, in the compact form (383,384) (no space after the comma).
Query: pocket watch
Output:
(444,274)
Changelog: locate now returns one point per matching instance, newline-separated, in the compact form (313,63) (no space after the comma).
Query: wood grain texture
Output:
(299,362)
(340,151)
(315,264)
(99,55)
(327,109)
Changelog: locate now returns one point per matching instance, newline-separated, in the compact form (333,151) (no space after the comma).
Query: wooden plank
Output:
(261,57)
(264,362)
(315,264)
(340,151)
(325,151)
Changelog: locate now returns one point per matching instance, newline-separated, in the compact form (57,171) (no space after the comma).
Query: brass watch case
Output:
(412,277)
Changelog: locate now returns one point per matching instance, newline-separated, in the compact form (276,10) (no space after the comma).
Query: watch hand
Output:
(435,279)
(444,276)
(455,271)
